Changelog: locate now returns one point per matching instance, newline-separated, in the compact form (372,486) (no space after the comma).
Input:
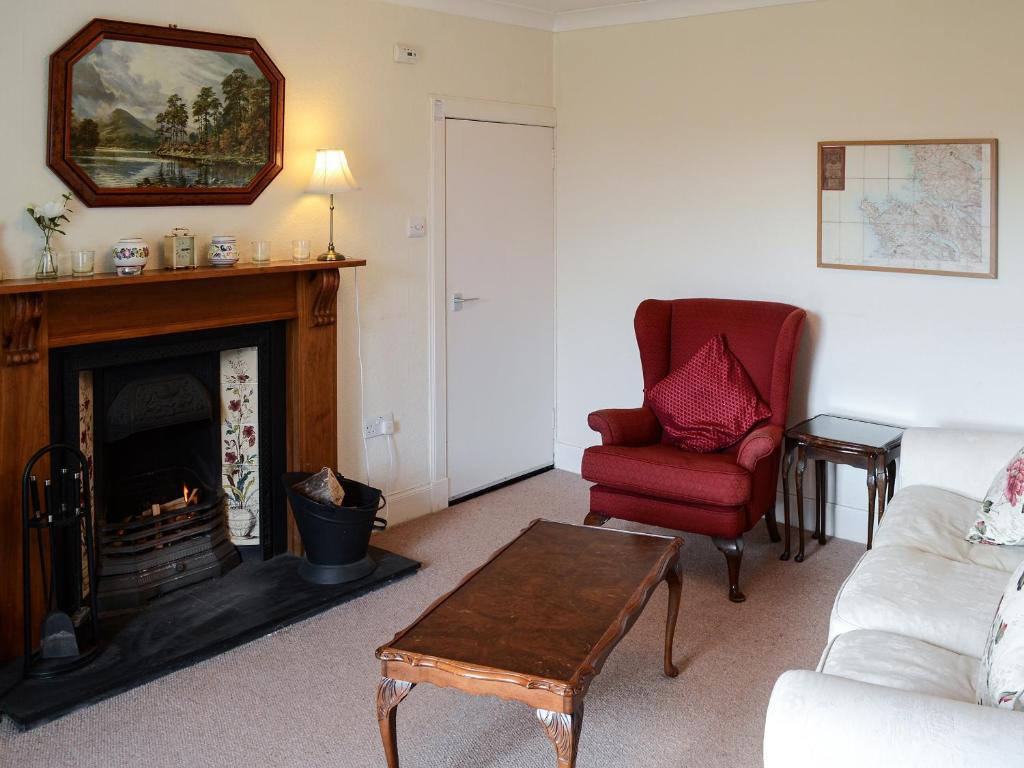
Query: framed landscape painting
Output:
(924,206)
(145,115)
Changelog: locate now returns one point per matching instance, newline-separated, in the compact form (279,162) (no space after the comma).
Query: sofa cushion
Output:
(881,658)
(709,402)
(934,520)
(1001,678)
(669,473)
(920,595)
(1000,518)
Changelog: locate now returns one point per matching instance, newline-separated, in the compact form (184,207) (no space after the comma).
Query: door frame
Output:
(441,109)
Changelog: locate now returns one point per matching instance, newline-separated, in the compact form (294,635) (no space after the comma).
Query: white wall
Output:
(342,89)
(687,168)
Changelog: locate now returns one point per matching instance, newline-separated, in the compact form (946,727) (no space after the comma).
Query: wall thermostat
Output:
(406,54)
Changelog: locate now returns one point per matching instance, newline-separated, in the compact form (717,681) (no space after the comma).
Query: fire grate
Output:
(164,547)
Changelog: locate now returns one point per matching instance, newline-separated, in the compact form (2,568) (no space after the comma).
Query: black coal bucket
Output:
(336,538)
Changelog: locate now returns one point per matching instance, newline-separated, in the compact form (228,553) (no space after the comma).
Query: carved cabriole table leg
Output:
(801,467)
(872,495)
(787,462)
(389,694)
(883,484)
(564,732)
(675,591)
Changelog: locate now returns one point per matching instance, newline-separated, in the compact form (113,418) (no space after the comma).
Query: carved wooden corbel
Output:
(325,304)
(22,313)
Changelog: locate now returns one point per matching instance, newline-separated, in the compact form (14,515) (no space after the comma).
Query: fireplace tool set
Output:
(59,510)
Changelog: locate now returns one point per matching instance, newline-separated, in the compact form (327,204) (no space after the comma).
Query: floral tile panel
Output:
(240,462)
(86,445)
(239,365)
(242,485)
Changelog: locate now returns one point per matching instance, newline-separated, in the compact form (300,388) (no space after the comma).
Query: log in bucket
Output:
(336,538)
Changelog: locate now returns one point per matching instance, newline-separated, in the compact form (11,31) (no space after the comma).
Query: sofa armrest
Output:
(958,460)
(626,426)
(762,442)
(816,719)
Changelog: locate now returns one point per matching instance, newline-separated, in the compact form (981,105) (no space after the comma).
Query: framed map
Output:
(908,206)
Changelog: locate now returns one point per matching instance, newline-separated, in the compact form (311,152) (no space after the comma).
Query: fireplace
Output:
(51,330)
(68,347)
(180,431)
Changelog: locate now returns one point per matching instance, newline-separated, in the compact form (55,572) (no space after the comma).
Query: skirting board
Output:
(842,521)
(568,457)
(407,505)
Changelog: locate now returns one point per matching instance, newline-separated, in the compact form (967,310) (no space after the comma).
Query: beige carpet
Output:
(303,698)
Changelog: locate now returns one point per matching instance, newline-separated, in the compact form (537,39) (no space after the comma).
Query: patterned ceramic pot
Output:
(223,251)
(130,256)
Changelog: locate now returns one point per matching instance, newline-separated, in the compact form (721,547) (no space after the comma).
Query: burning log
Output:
(187,499)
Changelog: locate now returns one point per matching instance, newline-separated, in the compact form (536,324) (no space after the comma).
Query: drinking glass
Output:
(82,263)
(300,250)
(260,251)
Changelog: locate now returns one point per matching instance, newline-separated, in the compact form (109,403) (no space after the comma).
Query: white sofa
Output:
(896,683)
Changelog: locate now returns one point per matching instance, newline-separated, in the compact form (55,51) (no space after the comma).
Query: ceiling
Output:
(562,15)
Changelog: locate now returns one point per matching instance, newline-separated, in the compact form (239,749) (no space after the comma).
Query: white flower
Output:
(52,209)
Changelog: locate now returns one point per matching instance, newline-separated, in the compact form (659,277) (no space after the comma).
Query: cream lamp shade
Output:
(331,175)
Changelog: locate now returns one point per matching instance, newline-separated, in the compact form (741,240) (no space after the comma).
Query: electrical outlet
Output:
(379,426)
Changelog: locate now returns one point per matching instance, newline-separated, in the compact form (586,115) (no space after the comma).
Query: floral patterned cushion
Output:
(1001,676)
(1001,519)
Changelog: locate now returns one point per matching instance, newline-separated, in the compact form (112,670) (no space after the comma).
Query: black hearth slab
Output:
(186,627)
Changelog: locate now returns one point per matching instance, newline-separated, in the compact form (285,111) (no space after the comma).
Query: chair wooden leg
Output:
(733,551)
(593,518)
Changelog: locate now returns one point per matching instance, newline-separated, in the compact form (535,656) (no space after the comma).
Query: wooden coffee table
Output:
(534,624)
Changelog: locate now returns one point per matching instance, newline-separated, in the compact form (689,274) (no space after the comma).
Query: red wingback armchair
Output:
(641,477)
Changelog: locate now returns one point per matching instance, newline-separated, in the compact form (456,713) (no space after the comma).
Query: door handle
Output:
(458,300)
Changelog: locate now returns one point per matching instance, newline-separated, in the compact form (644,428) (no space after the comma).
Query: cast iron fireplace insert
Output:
(157,430)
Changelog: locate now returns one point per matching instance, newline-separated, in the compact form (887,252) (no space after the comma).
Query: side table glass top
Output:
(839,429)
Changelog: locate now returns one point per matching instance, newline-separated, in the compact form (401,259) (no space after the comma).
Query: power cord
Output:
(390,479)
(362,379)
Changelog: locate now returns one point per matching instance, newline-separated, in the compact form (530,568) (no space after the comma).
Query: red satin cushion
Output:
(709,402)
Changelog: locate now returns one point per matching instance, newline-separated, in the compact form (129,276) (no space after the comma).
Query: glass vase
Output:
(47,267)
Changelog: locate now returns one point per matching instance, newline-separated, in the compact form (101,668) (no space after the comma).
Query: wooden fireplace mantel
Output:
(39,315)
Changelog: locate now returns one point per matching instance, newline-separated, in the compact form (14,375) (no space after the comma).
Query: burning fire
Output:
(189,497)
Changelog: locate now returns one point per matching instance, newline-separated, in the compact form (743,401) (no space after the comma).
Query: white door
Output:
(500,281)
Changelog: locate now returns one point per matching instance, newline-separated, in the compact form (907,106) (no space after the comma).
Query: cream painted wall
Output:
(686,167)
(342,89)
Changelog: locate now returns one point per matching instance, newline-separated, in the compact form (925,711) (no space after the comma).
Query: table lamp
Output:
(331,174)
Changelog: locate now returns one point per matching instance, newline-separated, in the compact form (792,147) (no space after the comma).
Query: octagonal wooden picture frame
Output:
(141,115)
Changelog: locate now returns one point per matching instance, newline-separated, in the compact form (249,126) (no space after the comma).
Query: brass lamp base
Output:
(330,255)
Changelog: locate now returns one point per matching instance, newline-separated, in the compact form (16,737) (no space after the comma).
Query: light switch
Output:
(416,226)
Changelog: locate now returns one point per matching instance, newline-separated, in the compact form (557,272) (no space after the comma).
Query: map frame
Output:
(821,181)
